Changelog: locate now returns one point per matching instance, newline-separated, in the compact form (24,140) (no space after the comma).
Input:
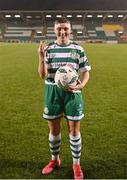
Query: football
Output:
(65,77)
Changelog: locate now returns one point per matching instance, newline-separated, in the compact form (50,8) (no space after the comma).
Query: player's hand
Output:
(41,50)
(79,86)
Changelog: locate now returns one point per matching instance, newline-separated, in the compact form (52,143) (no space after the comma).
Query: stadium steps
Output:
(110,31)
(20,33)
(50,33)
(95,31)
(112,27)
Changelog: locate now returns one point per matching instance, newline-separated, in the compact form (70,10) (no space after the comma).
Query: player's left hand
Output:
(79,86)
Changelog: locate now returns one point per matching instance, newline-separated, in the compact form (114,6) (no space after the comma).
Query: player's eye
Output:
(65,29)
(59,29)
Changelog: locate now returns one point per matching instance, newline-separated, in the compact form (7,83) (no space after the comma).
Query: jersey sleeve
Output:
(83,62)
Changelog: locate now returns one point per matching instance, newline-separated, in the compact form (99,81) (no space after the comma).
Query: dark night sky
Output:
(63,5)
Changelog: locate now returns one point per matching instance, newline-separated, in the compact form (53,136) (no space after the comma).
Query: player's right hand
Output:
(41,50)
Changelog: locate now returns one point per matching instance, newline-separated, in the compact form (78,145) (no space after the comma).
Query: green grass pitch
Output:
(23,134)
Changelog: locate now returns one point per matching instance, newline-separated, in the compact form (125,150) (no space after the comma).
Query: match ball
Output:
(65,77)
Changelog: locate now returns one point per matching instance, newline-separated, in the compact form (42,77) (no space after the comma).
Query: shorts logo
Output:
(80,109)
(80,112)
(46,111)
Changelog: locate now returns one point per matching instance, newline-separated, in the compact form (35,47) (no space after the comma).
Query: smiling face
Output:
(62,31)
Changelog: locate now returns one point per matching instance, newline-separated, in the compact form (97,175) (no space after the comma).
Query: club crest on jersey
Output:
(74,54)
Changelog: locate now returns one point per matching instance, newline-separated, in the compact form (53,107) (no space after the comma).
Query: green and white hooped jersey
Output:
(59,55)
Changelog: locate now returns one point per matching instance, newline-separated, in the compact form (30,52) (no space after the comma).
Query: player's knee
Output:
(55,132)
(74,132)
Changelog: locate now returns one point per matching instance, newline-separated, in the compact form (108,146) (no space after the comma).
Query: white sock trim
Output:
(75,137)
(52,137)
(78,148)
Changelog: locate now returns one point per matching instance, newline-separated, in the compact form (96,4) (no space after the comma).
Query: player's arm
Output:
(84,69)
(42,68)
(82,82)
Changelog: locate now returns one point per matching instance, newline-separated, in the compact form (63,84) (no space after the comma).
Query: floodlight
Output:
(7,15)
(48,16)
(28,17)
(99,15)
(120,16)
(17,16)
(89,16)
(110,16)
(69,16)
(58,16)
(39,32)
(79,16)
(120,32)
(79,32)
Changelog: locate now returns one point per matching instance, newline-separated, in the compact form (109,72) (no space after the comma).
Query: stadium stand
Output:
(88,26)
(1,34)
(17,33)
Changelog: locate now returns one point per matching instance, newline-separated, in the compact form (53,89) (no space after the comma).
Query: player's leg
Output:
(53,112)
(54,145)
(75,140)
(75,146)
(74,113)
(54,138)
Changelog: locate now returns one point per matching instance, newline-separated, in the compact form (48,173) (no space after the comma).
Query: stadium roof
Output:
(66,5)
(72,15)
